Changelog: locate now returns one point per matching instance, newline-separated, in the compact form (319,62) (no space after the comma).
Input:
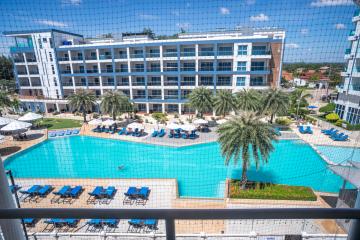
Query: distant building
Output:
(156,75)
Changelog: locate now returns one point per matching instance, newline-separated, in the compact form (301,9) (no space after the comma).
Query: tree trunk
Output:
(114,116)
(272,118)
(243,175)
(84,115)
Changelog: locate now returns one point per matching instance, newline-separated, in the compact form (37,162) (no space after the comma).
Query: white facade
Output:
(157,75)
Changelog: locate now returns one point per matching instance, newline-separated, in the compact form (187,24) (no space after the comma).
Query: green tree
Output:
(224,102)
(201,100)
(114,103)
(5,101)
(149,32)
(82,101)
(298,98)
(275,102)
(248,100)
(244,136)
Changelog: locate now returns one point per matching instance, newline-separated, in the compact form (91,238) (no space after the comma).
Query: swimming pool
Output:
(340,154)
(199,169)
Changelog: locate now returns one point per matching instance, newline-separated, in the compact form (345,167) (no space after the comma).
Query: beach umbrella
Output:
(16,126)
(95,122)
(5,121)
(173,126)
(200,121)
(108,122)
(135,125)
(2,138)
(312,107)
(30,116)
(188,127)
(221,121)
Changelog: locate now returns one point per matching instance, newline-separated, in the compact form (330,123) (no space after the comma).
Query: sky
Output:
(316,30)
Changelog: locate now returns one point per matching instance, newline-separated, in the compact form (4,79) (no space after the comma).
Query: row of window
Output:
(353,114)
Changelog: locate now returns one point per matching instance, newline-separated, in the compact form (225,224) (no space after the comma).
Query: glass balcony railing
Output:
(206,83)
(77,58)
(154,69)
(24,84)
(79,71)
(224,68)
(187,83)
(348,51)
(170,54)
(205,69)
(22,72)
(352,33)
(36,84)
(153,55)
(170,83)
(187,69)
(260,52)
(154,83)
(171,96)
(139,96)
(31,59)
(65,71)
(170,69)
(122,83)
(91,58)
(94,83)
(33,72)
(138,83)
(21,49)
(104,57)
(225,53)
(92,71)
(105,83)
(355,87)
(121,70)
(137,69)
(81,84)
(63,59)
(206,53)
(107,70)
(121,56)
(67,84)
(254,69)
(154,96)
(187,54)
(223,83)
(136,55)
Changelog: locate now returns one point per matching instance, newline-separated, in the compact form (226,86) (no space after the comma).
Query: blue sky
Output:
(316,30)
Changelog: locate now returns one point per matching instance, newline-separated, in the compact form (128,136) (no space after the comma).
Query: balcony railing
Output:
(36,84)
(139,96)
(138,83)
(67,84)
(224,68)
(77,58)
(225,53)
(81,84)
(355,87)
(205,69)
(105,83)
(254,69)
(153,55)
(121,70)
(187,83)
(90,58)
(170,54)
(154,96)
(65,71)
(63,59)
(154,69)
(121,56)
(154,83)
(171,96)
(260,52)
(137,55)
(104,57)
(92,70)
(122,83)
(137,69)
(24,84)
(188,54)
(170,83)
(79,71)
(31,59)
(107,70)
(170,69)
(187,69)
(33,72)
(19,60)
(21,72)
(206,53)
(94,83)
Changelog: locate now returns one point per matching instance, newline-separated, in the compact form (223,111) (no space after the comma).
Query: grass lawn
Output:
(271,191)
(59,123)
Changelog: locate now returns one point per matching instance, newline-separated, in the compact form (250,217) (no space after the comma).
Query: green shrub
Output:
(332,117)
(283,121)
(330,107)
(176,115)
(96,115)
(353,127)
(158,116)
(339,123)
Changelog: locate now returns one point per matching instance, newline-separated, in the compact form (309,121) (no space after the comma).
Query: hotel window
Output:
(206,66)
(353,115)
(241,66)
(44,40)
(257,81)
(207,51)
(242,50)
(225,51)
(172,66)
(53,69)
(223,81)
(188,52)
(259,50)
(170,52)
(171,81)
(240,81)
(154,81)
(139,81)
(224,66)
(188,66)
(206,81)
(340,109)
(50,57)
(258,66)
(188,81)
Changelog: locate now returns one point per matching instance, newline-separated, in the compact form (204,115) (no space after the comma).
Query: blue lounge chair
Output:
(193,134)
(161,133)
(327,130)
(68,132)
(337,135)
(52,134)
(151,224)
(301,129)
(14,188)
(128,132)
(113,130)
(62,193)
(75,192)
(143,195)
(31,192)
(122,131)
(111,222)
(135,225)
(95,194)
(71,222)
(45,190)
(109,192)
(97,129)
(130,195)
(334,133)
(135,132)
(331,132)
(95,222)
(61,133)
(185,135)
(309,130)
(30,222)
(55,222)
(277,131)
(341,138)
(155,133)
(75,131)
(171,134)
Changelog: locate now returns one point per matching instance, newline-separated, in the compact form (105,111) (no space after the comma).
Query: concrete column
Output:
(57,107)
(11,228)
(179,108)
(147,108)
(354,231)
(163,107)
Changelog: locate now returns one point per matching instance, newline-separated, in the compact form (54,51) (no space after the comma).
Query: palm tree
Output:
(82,101)
(115,102)
(201,100)
(275,102)
(5,101)
(245,135)
(248,100)
(299,98)
(224,102)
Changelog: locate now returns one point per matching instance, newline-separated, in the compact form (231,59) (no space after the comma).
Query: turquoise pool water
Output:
(340,154)
(199,169)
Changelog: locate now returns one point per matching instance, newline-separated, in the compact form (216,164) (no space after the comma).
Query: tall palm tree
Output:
(245,135)
(248,100)
(275,102)
(224,102)
(114,103)
(82,101)
(299,98)
(201,100)
(5,101)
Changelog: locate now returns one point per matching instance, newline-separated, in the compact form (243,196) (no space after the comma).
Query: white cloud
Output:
(52,23)
(250,2)
(184,25)
(259,18)
(304,31)
(72,2)
(340,26)
(148,16)
(224,11)
(292,45)
(328,3)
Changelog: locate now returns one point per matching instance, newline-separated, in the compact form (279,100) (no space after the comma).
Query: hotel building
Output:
(348,99)
(157,75)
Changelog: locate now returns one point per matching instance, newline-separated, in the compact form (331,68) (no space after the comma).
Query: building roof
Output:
(15,33)
(348,173)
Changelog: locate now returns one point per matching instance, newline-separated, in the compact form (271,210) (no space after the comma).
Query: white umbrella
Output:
(2,138)
(135,125)
(95,122)
(4,121)
(30,116)
(200,121)
(108,122)
(188,127)
(16,126)
(221,121)
(173,126)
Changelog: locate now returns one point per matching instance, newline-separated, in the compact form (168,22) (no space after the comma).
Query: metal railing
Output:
(170,215)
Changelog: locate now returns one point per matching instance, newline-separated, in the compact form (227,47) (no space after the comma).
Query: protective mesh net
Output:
(158,82)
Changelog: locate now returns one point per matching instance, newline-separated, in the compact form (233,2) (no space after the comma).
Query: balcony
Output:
(154,96)
(188,54)
(139,96)
(107,70)
(170,54)
(137,69)
(108,83)
(187,83)
(121,56)
(260,52)
(63,59)
(170,69)
(137,55)
(92,84)
(224,68)
(170,83)
(67,84)
(36,84)
(19,49)
(122,83)
(258,69)
(171,96)
(24,84)
(154,69)
(225,53)
(91,58)
(206,69)
(152,55)
(138,83)
(105,57)
(154,83)
(77,58)
(355,87)
(31,59)
(22,72)
(206,53)
(80,84)
(65,71)
(187,69)
(33,72)
(19,60)
(121,70)
(79,71)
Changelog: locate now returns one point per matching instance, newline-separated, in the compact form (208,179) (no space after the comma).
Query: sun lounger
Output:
(337,135)
(71,222)
(130,195)
(151,224)
(14,188)
(31,192)
(97,129)
(111,222)
(341,138)
(302,130)
(330,133)
(193,135)
(52,134)
(143,195)
(135,132)
(128,132)
(30,222)
(122,131)
(95,194)
(309,130)
(76,191)
(185,135)
(61,133)
(171,134)
(68,132)
(161,133)
(155,133)
(109,192)
(44,191)
(135,225)
(277,131)
(326,131)
(113,130)
(75,131)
